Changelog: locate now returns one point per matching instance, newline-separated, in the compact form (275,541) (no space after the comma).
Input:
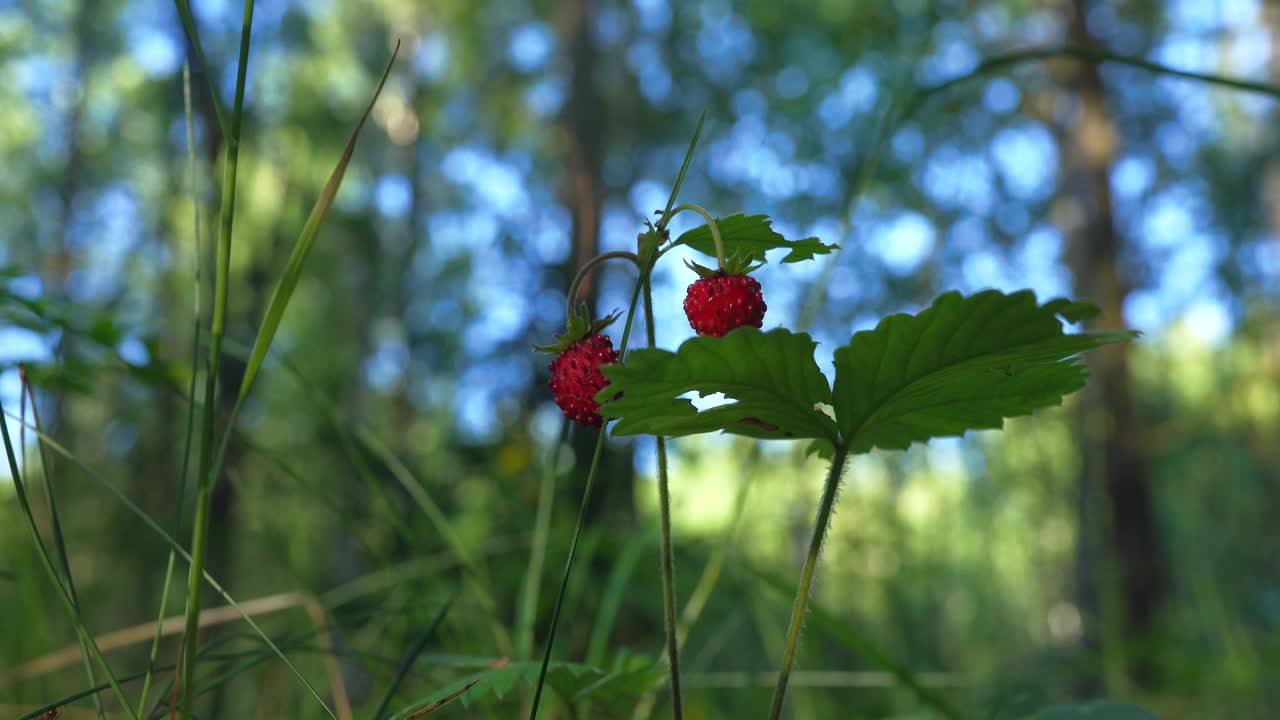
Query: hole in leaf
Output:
(713,400)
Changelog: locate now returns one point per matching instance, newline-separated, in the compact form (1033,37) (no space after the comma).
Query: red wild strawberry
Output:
(719,302)
(575,373)
(576,377)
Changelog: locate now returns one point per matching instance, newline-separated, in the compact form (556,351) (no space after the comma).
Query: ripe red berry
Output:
(576,377)
(717,304)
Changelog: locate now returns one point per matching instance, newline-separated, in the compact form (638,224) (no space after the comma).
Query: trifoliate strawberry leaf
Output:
(771,379)
(965,363)
(751,236)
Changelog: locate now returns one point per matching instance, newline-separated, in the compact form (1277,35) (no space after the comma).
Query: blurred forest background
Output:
(1125,545)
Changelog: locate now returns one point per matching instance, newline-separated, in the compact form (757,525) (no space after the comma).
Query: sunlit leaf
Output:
(965,363)
(752,236)
(770,378)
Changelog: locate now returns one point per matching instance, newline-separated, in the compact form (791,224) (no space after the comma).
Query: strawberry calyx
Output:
(580,326)
(738,264)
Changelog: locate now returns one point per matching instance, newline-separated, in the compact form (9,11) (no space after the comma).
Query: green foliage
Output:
(965,363)
(1100,710)
(771,375)
(572,682)
(749,237)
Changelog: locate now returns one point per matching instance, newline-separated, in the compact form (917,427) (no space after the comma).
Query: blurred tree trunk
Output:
(1119,539)
(582,130)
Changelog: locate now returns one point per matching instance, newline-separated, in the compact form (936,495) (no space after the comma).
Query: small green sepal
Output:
(580,326)
(738,264)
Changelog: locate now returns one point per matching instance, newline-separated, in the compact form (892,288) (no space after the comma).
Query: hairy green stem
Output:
(820,524)
(586,268)
(667,558)
(645,268)
(205,481)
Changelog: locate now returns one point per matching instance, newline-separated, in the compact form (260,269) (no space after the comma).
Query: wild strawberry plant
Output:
(966,362)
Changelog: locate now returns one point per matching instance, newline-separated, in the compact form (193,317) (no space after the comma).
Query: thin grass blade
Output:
(406,663)
(288,282)
(154,526)
(47,560)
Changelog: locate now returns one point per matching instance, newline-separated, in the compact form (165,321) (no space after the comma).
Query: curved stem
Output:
(645,267)
(711,222)
(586,268)
(667,559)
(820,524)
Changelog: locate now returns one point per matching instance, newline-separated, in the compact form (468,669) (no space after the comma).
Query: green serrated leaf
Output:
(771,375)
(965,363)
(751,236)
(1099,710)
(1072,310)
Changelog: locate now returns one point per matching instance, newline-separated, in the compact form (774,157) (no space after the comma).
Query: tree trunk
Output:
(582,132)
(1119,539)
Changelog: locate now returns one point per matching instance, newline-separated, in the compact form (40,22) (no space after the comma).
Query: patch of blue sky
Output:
(1039,258)
(1177,145)
(10,395)
(644,57)
(1170,217)
(497,184)
(503,312)
(959,180)
(1001,96)
(654,15)
(486,392)
(791,82)
(154,49)
(453,232)
(549,238)
(953,54)
(645,196)
(1026,155)
(726,43)
(386,366)
(431,55)
(530,45)
(907,144)
(990,268)
(902,241)
(104,233)
(1132,175)
(749,102)
(545,96)
(213,12)
(393,195)
(610,26)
